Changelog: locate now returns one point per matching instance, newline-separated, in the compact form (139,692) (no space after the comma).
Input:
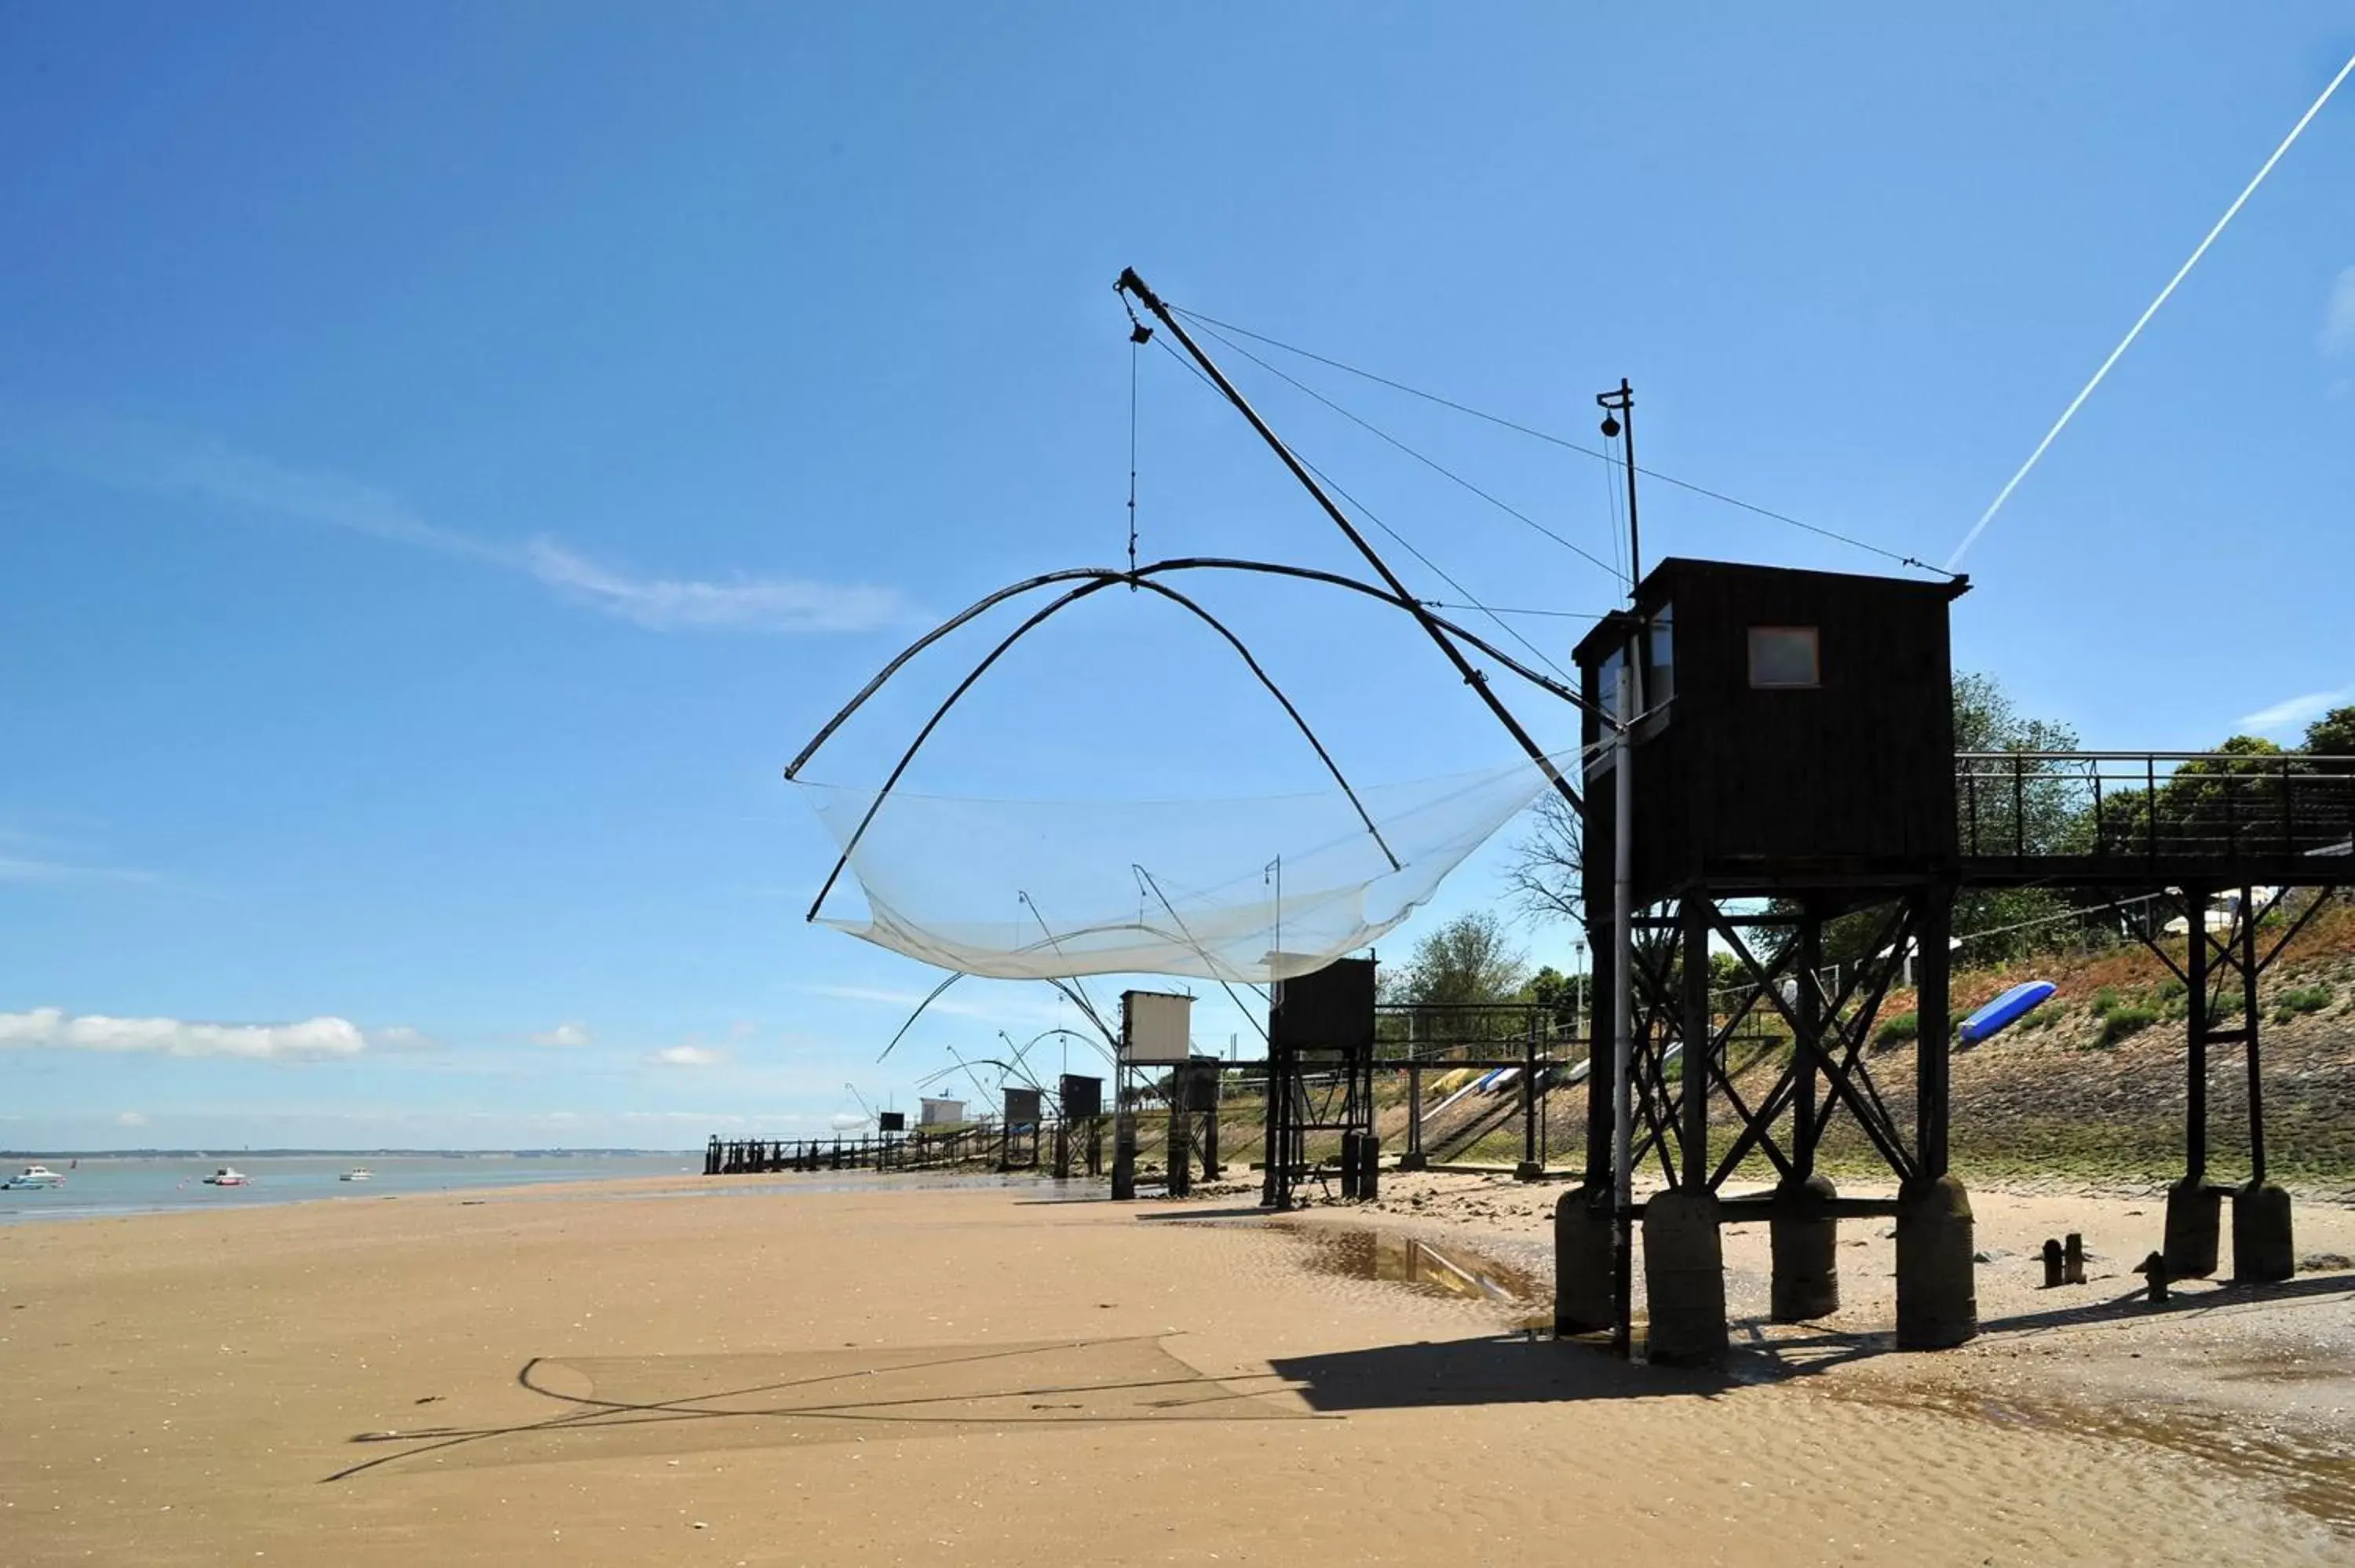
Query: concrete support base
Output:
(1806,1241)
(1369,1167)
(1353,1165)
(1581,1261)
(2193,1211)
(1684,1280)
(1414,1160)
(2262,1249)
(1528,1170)
(1937,1293)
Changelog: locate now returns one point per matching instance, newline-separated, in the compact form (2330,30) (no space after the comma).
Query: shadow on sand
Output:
(1497,1370)
(621,1405)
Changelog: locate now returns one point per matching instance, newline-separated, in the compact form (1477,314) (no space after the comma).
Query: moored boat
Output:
(35,1176)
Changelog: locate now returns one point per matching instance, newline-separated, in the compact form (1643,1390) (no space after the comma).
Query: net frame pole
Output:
(1130,283)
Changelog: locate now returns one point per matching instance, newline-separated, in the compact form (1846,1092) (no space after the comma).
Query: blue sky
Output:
(452,457)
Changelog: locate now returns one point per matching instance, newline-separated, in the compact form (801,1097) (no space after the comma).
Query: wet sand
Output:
(771,1372)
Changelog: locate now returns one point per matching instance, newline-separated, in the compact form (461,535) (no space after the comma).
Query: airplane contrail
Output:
(2144,319)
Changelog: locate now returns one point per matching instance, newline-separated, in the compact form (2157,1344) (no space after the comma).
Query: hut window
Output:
(1660,661)
(1783,656)
(1600,752)
(1606,683)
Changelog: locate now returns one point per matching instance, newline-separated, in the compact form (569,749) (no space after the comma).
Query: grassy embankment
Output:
(2091,1086)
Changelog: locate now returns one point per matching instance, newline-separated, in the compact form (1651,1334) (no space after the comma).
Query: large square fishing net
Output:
(1238,890)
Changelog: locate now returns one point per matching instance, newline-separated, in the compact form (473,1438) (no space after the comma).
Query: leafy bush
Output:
(2124,1020)
(2300,999)
(1902,1029)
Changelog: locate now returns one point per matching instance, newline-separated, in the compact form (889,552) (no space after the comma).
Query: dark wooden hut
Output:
(1796,731)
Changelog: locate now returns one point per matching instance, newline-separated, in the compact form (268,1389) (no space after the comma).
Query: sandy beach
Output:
(767,1371)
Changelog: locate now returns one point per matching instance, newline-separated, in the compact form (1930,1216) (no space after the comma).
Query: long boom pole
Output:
(1623,1006)
(1130,283)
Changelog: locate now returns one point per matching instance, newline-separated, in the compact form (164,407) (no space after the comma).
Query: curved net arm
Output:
(1098,581)
(1102,575)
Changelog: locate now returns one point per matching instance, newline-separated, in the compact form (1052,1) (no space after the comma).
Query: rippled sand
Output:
(976,1375)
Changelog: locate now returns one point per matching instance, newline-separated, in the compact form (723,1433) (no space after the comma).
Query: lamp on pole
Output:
(1578,991)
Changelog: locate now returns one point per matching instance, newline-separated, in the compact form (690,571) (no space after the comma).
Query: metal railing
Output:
(2224,807)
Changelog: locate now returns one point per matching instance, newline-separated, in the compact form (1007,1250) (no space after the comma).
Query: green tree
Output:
(2332,735)
(2024,801)
(1468,959)
(2211,801)
(1568,1000)
(1453,971)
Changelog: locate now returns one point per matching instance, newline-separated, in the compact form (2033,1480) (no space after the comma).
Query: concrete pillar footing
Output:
(1937,1293)
(1581,1261)
(2193,1212)
(1684,1278)
(2264,1250)
(1805,1238)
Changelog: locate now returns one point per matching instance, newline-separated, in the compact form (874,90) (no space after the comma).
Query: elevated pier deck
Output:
(2121,821)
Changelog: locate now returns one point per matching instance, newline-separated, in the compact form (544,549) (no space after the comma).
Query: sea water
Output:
(141,1184)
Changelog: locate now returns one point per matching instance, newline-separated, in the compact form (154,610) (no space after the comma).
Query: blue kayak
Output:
(2006,1010)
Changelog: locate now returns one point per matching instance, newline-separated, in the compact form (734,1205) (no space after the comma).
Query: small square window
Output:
(1783,656)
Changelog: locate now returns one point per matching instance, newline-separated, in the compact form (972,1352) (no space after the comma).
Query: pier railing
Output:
(976,1144)
(2183,814)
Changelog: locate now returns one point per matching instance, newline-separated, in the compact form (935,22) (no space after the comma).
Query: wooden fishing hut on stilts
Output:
(1788,759)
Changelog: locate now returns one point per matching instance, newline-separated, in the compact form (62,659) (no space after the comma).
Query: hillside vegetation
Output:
(2094,1082)
(2092,1086)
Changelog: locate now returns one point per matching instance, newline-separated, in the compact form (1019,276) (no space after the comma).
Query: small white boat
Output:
(228,1176)
(35,1176)
(358,1173)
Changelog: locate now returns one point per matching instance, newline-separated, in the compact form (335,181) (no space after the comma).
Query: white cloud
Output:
(28,858)
(401,1037)
(2295,713)
(130,1118)
(313,1039)
(686,1057)
(741,603)
(565,1034)
(160,461)
(152,458)
(2338,315)
(14,869)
